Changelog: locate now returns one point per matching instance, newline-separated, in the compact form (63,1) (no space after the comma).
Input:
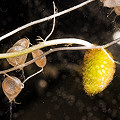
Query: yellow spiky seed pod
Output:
(98,71)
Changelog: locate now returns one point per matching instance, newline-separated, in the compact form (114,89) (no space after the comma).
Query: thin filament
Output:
(60,49)
(45,19)
(111,43)
(10,77)
(32,75)
(108,55)
(11,110)
(53,27)
(46,53)
(45,44)
(23,74)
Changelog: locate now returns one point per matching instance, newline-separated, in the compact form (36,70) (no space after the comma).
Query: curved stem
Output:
(45,19)
(45,44)
(53,27)
(90,46)
(32,76)
(48,52)
(54,42)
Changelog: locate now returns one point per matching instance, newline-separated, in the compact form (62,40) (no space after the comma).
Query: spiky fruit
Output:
(98,71)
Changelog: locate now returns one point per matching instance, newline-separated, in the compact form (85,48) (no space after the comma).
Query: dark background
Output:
(63,98)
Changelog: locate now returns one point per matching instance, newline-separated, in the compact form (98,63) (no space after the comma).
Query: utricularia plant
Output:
(98,68)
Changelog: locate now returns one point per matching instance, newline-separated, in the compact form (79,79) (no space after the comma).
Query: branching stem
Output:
(45,19)
(32,75)
(88,46)
(48,52)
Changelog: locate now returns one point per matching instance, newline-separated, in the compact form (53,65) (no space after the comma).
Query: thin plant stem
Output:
(45,44)
(23,74)
(88,46)
(108,55)
(53,27)
(10,77)
(32,76)
(48,52)
(111,43)
(53,42)
(45,19)
(11,110)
